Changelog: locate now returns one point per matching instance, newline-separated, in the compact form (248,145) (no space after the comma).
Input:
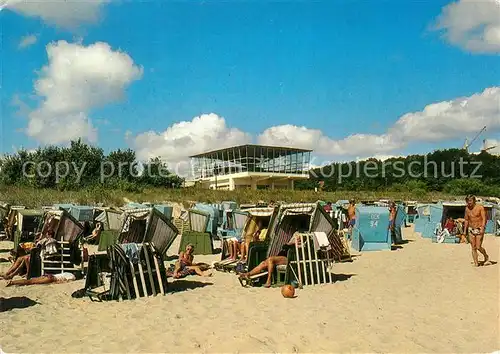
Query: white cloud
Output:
(452,119)
(302,137)
(62,13)
(472,24)
(203,133)
(27,41)
(77,79)
(492,145)
(436,122)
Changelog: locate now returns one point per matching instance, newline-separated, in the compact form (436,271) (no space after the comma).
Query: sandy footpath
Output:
(421,298)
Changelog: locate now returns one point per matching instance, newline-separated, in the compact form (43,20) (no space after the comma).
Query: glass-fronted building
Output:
(251,166)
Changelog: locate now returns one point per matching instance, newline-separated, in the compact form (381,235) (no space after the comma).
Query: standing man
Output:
(351,213)
(475,223)
(392,221)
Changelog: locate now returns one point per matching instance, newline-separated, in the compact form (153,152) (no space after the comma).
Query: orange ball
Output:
(288,291)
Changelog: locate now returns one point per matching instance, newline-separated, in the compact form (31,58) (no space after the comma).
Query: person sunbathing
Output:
(185,266)
(234,246)
(44,279)
(96,233)
(450,225)
(270,263)
(20,267)
(252,235)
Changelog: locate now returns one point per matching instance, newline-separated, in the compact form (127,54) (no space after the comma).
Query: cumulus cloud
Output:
(203,133)
(302,137)
(27,41)
(492,146)
(471,24)
(62,13)
(77,79)
(452,119)
(436,122)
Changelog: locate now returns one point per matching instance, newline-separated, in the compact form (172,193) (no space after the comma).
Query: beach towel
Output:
(321,241)
(131,251)
(49,247)
(443,235)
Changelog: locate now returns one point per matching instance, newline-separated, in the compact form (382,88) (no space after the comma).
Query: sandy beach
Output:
(422,297)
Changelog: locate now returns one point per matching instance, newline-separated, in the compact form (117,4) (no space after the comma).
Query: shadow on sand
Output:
(21,302)
(489,263)
(183,285)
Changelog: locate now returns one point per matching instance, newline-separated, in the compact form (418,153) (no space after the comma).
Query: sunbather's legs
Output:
(177,268)
(232,246)
(236,247)
(199,271)
(229,245)
(243,250)
(271,263)
(268,265)
(44,279)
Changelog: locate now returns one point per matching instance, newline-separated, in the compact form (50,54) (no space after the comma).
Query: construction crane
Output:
(486,149)
(467,144)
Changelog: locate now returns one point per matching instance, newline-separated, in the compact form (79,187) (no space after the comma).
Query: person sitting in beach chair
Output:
(44,279)
(185,266)
(255,233)
(22,257)
(450,225)
(270,264)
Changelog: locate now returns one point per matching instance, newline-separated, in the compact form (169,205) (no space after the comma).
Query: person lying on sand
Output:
(185,266)
(20,267)
(270,263)
(44,279)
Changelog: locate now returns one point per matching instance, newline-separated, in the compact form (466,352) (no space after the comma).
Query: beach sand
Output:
(422,297)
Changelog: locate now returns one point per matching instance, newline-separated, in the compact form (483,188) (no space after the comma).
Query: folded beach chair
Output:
(137,270)
(309,261)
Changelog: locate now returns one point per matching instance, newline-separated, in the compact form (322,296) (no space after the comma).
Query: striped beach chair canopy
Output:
(282,227)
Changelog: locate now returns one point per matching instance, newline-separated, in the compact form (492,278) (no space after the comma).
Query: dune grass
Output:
(35,198)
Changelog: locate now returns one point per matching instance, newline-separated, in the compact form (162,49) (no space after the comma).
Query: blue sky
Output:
(343,68)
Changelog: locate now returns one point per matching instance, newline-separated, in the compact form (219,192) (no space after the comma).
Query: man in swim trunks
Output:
(475,223)
(351,212)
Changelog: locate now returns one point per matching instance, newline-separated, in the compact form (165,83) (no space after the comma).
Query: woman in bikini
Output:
(185,266)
